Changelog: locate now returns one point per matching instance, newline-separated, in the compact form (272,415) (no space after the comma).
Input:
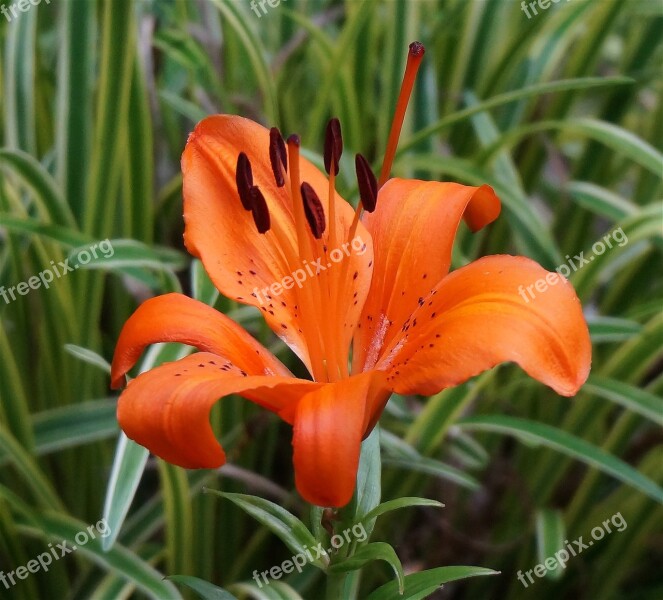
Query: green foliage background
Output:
(560,113)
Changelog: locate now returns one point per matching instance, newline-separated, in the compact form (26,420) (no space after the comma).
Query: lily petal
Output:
(330,423)
(167,409)
(413,231)
(178,318)
(241,262)
(481,315)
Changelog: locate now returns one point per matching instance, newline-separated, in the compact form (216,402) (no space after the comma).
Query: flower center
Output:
(319,299)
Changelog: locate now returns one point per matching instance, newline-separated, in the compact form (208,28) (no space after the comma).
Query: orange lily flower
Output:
(258,216)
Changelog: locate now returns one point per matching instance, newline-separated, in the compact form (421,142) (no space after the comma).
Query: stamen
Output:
(415,54)
(337,364)
(260,210)
(368,186)
(310,293)
(333,146)
(315,214)
(244,179)
(277,155)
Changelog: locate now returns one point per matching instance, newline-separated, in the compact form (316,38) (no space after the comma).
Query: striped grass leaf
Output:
(618,139)
(600,201)
(630,397)
(179,519)
(49,201)
(436,468)
(276,590)
(611,329)
(118,560)
(529,92)
(203,589)
(33,477)
(550,535)
(564,442)
(254,52)
(89,357)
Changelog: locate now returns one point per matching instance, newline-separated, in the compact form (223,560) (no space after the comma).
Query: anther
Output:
(260,210)
(277,155)
(244,179)
(417,49)
(333,145)
(315,214)
(368,185)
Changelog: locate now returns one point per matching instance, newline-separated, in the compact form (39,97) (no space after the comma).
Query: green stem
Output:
(336,586)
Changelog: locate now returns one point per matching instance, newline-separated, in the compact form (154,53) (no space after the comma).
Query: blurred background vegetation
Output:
(561,113)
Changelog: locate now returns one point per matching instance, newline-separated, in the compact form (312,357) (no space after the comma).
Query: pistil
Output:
(415,54)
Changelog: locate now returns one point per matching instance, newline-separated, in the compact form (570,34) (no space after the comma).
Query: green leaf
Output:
(121,253)
(64,236)
(50,203)
(88,356)
(421,585)
(369,553)
(430,466)
(568,444)
(532,91)
(201,285)
(117,51)
(638,400)
(550,534)
(178,516)
(254,54)
(119,560)
(600,201)
(204,589)
(27,468)
(187,109)
(73,425)
(369,484)
(291,531)
(612,329)
(614,137)
(127,471)
(275,590)
(397,503)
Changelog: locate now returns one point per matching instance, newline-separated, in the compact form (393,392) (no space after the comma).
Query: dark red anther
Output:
(278,155)
(260,210)
(315,214)
(333,145)
(244,179)
(368,186)
(417,49)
